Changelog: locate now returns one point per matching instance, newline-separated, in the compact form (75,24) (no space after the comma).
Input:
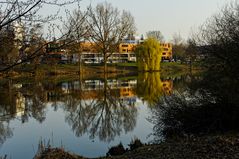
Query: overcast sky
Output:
(168,16)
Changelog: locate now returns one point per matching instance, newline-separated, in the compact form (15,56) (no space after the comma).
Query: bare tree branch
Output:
(108,26)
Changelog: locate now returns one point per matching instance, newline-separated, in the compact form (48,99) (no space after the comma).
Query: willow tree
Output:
(149,55)
(108,26)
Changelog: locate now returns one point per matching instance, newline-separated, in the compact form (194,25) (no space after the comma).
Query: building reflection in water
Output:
(105,108)
(102,108)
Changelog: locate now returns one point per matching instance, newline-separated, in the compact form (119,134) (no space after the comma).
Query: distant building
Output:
(130,39)
(130,43)
(19,34)
(167,53)
(88,53)
(127,47)
(55,53)
(88,47)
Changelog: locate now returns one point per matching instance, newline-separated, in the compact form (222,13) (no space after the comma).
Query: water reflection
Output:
(5,131)
(150,87)
(103,109)
(11,106)
(206,106)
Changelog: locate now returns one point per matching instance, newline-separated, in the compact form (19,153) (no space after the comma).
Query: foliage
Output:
(135,144)
(149,55)
(26,20)
(209,105)
(191,50)
(194,113)
(116,150)
(7,45)
(33,41)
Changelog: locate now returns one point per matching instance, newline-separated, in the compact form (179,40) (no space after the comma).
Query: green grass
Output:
(167,68)
(126,64)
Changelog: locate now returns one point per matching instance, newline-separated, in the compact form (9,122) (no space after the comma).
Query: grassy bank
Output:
(220,147)
(168,69)
(174,69)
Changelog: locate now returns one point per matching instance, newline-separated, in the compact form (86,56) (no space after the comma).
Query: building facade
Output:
(87,52)
(127,48)
(167,53)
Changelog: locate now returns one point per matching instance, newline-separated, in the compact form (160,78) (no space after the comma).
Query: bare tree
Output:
(105,115)
(219,40)
(24,16)
(14,10)
(177,39)
(179,47)
(107,27)
(76,30)
(7,48)
(156,35)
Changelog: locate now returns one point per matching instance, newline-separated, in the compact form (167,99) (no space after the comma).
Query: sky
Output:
(168,16)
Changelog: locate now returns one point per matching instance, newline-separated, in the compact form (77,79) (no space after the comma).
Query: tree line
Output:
(103,25)
(209,105)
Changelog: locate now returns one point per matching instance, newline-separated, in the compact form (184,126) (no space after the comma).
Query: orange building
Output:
(127,48)
(167,51)
(88,47)
(126,92)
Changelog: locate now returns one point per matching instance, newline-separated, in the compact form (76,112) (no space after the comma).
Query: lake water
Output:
(85,116)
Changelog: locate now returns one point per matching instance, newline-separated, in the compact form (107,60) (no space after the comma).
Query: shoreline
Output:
(216,146)
(91,71)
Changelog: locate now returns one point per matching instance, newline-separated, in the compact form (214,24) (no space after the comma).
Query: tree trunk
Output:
(190,65)
(105,64)
(79,63)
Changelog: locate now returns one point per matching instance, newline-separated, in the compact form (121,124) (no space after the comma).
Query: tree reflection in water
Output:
(7,113)
(21,101)
(101,112)
(150,87)
(103,108)
(35,101)
(5,131)
(8,110)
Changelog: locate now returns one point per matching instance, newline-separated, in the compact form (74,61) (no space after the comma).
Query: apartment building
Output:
(127,47)
(167,53)
(126,52)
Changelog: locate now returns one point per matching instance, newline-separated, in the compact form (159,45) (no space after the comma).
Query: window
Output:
(164,53)
(123,55)
(124,45)
(165,49)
